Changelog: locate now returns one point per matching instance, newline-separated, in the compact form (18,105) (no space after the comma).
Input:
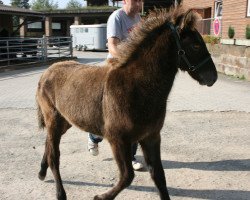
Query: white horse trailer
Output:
(89,37)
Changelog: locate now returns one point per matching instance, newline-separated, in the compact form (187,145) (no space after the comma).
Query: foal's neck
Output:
(154,66)
(157,56)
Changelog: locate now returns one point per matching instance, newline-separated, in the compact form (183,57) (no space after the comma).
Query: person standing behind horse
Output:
(119,24)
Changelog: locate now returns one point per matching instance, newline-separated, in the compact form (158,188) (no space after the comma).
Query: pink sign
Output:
(216,27)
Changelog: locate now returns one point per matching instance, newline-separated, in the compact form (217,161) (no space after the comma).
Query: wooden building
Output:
(49,23)
(57,22)
(6,18)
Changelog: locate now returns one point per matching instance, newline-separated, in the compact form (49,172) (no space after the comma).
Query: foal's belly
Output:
(87,116)
(82,109)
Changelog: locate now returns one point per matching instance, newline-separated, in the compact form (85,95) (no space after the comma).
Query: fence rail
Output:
(21,51)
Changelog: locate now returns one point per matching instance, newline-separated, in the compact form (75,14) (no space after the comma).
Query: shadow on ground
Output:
(202,194)
(90,60)
(223,165)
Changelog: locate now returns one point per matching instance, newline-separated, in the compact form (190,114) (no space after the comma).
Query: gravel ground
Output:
(205,156)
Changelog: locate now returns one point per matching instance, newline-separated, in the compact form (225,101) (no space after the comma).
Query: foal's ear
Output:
(190,19)
(179,21)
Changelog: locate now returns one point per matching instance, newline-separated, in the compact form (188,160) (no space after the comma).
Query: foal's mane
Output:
(150,24)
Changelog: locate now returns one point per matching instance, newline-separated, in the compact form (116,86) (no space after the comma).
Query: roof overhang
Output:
(10,10)
(81,13)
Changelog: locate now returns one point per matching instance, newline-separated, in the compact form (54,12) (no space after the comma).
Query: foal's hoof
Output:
(100,197)
(41,176)
(61,195)
(103,197)
(97,197)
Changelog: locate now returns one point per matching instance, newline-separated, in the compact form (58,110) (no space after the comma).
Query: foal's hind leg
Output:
(151,150)
(56,126)
(44,163)
(122,155)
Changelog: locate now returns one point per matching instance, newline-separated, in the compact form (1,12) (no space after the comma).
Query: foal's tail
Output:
(41,123)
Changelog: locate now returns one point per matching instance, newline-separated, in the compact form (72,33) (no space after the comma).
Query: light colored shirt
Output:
(120,24)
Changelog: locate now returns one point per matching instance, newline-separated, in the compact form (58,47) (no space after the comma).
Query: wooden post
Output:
(48,26)
(23,29)
(77,20)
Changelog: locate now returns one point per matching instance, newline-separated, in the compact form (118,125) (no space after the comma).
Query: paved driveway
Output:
(205,144)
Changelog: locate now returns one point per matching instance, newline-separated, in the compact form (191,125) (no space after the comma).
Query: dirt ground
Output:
(206,155)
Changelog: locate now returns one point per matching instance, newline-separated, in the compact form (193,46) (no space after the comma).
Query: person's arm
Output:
(112,46)
(114,34)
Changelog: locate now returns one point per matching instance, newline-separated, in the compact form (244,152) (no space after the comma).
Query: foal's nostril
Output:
(213,80)
(210,84)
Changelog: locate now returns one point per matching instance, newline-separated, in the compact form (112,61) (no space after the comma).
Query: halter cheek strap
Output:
(182,53)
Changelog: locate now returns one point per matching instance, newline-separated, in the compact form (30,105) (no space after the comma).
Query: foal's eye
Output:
(196,46)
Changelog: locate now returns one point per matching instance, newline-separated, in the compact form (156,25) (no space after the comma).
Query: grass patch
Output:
(211,39)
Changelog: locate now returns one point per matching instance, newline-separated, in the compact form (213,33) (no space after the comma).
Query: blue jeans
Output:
(96,139)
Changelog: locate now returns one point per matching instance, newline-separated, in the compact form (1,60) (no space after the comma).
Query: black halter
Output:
(182,53)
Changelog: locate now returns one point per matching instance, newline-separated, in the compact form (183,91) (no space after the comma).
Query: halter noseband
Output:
(182,53)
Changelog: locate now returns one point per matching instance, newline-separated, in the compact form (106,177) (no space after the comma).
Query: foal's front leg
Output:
(151,150)
(122,155)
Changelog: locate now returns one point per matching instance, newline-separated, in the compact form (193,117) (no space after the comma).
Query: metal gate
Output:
(21,51)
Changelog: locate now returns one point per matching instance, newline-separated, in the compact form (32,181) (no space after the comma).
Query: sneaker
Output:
(93,148)
(137,165)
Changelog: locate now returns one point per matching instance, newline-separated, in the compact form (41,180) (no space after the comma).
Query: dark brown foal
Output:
(125,100)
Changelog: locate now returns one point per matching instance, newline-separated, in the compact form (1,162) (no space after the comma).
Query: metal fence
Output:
(206,27)
(21,51)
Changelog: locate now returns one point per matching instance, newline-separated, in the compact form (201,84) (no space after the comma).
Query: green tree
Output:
(97,2)
(15,3)
(44,5)
(73,4)
(20,3)
(25,4)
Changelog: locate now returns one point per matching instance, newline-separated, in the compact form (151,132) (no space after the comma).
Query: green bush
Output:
(211,39)
(231,32)
(248,32)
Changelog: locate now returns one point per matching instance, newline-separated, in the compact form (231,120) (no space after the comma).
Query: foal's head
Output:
(170,34)
(192,51)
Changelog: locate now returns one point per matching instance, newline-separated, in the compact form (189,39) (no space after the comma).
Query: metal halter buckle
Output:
(181,52)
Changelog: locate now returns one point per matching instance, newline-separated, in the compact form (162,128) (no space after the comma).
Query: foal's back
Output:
(67,84)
